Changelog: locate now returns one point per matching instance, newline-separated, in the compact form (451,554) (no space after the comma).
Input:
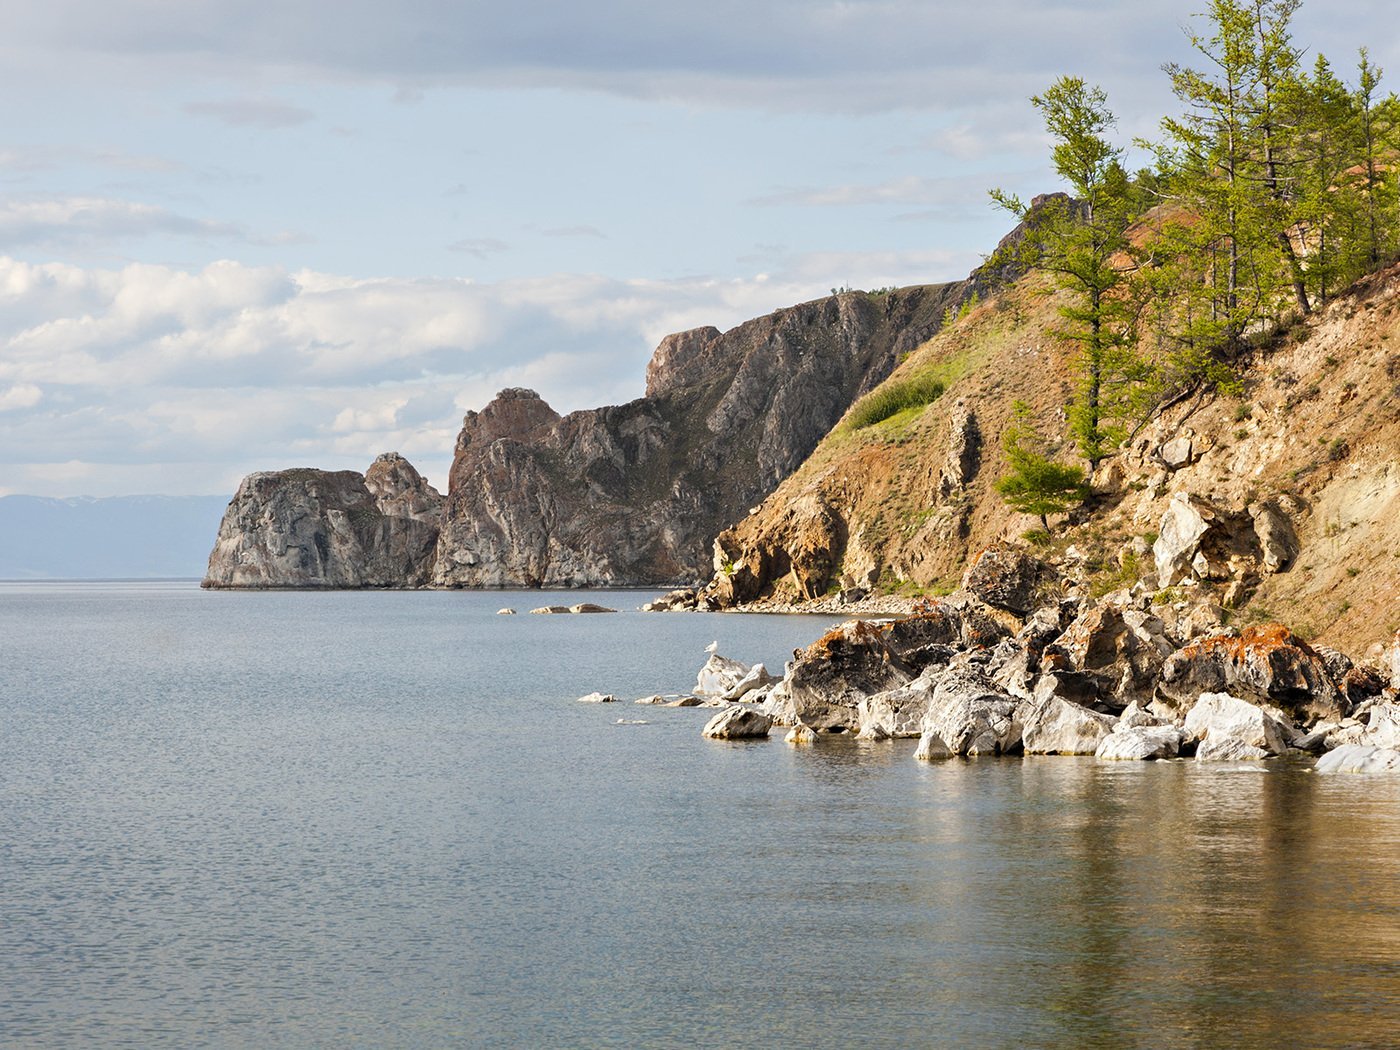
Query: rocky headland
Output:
(625,495)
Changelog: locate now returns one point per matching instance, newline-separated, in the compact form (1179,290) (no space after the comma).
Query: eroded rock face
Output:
(636,494)
(317,528)
(829,679)
(1267,663)
(1197,540)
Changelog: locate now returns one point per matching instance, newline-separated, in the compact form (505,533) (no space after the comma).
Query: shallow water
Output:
(375,819)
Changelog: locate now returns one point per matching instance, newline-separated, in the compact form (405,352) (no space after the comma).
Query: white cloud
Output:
(172,377)
(22,395)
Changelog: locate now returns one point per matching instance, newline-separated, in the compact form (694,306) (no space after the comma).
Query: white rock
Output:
(598,698)
(735,722)
(1141,742)
(1061,727)
(1359,758)
(895,712)
(1228,749)
(719,675)
(589,607)
(1176,453)
(932,747)
(1383,726)
(778,706)
(1134,716)
(505,612)
(1218,717)
(1178,537)
(801,734)
(971,715)
(756,678)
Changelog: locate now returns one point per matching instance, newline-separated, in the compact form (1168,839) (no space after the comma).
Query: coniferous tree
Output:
(1082,242)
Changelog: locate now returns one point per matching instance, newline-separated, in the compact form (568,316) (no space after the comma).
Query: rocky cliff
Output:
(623,495)
(1280,503)
(317,528)
(634,494)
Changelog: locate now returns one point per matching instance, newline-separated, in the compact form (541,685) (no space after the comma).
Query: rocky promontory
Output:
(625,495)
(318,528)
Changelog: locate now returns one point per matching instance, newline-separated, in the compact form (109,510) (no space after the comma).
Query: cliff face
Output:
(634,494)
(317,528)
(1283,502)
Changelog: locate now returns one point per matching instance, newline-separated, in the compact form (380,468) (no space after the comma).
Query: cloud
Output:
(23,395)
(481,247)
(154,378)
(55,222)
(269,114)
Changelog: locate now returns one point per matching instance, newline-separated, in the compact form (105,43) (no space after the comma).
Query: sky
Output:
(276,233)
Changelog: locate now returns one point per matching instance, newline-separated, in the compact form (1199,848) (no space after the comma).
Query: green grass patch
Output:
(894,397)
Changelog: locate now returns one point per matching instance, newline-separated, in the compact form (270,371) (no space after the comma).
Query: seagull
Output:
(713,647)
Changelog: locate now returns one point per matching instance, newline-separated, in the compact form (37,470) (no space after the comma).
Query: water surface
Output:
(372,819)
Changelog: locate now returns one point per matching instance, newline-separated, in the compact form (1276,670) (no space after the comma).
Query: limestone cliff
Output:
(634,494)
(1280,503)
(317,528)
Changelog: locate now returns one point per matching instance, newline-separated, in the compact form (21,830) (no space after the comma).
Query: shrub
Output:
(893,398)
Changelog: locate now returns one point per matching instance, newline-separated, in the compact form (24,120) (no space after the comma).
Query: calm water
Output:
(381,820)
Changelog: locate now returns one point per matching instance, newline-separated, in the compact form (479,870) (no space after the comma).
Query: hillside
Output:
(1282,503)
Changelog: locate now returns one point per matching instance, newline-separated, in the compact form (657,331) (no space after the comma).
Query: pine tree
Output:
(1082,242)
(1037,484)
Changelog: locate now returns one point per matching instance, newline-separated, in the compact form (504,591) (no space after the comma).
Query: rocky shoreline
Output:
(1008,665)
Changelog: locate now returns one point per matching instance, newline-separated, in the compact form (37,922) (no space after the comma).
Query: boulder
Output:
(505,612)
(778,705)
(719,675)
(1006,577)
(895,712)
(684,598)
(1178,539)
(598,698)
(831,676)
(932,747)
(1265,663)
(1383,725)
(589,607)
(755,679)
(1229,749)
(736,722)
(1140,742)
(1176,453)
(1059,727)
(654,699)
(551,610)
(800,735)
(973,716)
(1228,727)
(1359,758)
(686,701)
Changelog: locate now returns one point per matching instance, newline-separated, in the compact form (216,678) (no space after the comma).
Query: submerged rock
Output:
(800,735)
(598,698)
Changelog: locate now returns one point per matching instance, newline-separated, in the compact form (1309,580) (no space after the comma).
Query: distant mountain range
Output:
(118,537)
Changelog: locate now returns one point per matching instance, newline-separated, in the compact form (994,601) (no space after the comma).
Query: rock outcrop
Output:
(635,494)
(317,528)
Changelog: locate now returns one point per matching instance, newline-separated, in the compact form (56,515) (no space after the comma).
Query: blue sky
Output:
(246,236)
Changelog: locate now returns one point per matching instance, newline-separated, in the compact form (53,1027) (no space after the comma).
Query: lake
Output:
(381,819)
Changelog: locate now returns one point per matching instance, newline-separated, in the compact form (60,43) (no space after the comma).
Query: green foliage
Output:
(893,397)
(1082,242)
(1037,485)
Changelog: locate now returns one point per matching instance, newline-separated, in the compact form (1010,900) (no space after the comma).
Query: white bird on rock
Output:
(713,647)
